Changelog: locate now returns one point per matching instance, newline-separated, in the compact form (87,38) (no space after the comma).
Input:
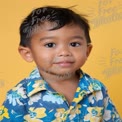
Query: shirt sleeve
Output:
(13,108)
(110,112)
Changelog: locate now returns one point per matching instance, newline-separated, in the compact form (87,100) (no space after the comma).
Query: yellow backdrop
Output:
(105,61)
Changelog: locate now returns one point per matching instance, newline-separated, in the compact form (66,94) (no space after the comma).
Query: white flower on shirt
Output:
(107,115)
(34,74)
(34,98)
(16,95)
(95,97)
(99,95)
(54,99)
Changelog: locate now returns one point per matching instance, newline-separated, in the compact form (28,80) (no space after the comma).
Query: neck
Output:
(63,84)
(59,79)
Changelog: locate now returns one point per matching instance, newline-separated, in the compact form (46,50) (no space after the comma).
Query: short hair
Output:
(57,15)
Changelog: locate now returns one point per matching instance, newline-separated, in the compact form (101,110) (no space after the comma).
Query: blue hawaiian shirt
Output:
(33,100)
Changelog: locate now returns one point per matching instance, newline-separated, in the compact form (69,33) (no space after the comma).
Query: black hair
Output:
(56,15)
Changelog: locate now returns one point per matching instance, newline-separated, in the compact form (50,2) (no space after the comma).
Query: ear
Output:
(26,54)
(89,48)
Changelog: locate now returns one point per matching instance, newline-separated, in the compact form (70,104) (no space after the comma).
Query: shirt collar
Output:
(36,83)
(87,85)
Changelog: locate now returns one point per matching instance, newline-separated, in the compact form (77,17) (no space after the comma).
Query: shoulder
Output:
(22,87)
(96,84)
(17,100)
(96,90)
(16,95)
(14,105)
(19,91)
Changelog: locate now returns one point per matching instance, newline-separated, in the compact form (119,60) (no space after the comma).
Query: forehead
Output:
(63,35)
(50,27)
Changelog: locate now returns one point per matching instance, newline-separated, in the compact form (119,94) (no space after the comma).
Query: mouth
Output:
(64,63)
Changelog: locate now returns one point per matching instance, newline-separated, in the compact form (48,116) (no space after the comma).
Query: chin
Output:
(63,73)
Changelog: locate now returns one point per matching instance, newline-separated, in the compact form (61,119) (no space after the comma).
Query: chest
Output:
(54,107)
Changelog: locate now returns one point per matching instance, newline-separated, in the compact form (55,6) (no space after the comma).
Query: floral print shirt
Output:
(33,100)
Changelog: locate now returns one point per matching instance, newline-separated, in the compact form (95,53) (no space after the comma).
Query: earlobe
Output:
(25,52)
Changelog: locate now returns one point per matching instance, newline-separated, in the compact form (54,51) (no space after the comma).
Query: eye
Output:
(75,44)
(50,45)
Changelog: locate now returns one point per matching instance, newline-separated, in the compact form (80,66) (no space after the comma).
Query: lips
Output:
(64,63)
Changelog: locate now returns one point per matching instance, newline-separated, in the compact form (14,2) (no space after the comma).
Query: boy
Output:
(58,41)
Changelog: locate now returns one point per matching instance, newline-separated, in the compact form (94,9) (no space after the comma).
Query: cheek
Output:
(81,58)
(81,54)
(45,59)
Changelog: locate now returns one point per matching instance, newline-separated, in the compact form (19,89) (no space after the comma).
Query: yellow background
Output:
(105,61)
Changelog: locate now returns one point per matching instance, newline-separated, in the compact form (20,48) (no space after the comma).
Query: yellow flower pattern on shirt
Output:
(3,113)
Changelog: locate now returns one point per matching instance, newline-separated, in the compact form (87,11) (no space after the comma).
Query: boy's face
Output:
(60,51)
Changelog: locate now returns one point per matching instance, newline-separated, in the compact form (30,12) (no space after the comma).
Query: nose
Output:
(64,51)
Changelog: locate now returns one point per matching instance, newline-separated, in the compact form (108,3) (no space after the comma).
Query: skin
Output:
(58,54)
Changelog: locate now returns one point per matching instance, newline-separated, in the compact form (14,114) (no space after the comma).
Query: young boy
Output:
(57,40)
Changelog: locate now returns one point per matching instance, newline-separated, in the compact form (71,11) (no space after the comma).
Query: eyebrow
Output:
(44,38)
(77,37)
